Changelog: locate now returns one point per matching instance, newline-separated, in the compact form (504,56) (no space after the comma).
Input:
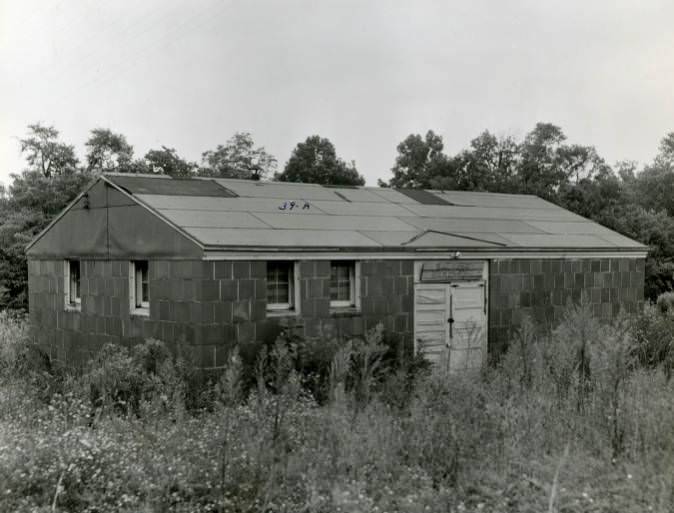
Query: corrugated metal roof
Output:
(290,215)
(281,238)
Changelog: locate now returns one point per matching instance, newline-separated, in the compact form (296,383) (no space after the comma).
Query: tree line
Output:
(638,203)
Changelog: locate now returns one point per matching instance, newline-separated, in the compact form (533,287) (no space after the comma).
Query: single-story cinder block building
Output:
(207,263)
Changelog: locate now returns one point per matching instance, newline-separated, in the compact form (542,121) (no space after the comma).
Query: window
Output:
(344,279)
(281,288)
(72,284)
(139,287)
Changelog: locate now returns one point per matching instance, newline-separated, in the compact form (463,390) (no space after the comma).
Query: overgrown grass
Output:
(572,420)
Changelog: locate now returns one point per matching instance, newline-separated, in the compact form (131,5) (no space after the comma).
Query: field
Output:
(580,419)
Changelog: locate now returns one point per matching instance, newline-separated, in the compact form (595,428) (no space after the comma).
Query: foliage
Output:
(665,303)
(166,161)
(420,162)
(490,164)
(315,161)
(108,151)
(33,200)
(654,337)
(635,204)
(238,158)
(45,153)
(491,442)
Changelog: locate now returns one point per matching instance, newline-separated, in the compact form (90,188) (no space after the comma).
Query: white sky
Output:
(365,74)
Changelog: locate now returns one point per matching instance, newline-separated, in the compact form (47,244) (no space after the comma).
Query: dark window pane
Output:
(341,275)
(74,270)
(279,282)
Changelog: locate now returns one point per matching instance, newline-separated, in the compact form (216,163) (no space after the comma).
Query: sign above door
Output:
(446,271)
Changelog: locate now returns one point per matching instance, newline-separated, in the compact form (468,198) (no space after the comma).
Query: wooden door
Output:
(450,324)
(468,320)
(431,329)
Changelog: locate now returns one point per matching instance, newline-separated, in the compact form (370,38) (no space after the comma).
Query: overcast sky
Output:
(365,74)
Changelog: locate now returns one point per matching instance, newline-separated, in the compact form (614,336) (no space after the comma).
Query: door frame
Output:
(418,264)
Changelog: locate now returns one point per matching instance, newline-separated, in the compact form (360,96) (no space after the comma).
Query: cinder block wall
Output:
(176,306)
(542,288)
(204,308)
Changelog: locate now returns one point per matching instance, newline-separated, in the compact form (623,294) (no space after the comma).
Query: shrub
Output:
(13,339)
(653,334)
(665,303)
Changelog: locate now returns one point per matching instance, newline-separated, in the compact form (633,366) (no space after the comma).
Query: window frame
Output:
(292,308)
(72,302)
(353,303)
(136,307)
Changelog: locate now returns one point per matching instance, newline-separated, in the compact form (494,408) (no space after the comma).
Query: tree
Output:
(420,161)
(108,151)
(490,164)
(238,158)
(539,171)
(654,186)
(34,197)
(45,153)
(167,161)
(32,203)
(315,161)
(596,198)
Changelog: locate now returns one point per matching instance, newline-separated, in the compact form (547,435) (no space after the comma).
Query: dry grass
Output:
(518,438)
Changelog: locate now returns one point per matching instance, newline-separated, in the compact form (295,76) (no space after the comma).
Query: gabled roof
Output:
(222,214)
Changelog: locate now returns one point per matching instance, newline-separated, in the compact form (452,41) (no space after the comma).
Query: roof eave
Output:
(642,250)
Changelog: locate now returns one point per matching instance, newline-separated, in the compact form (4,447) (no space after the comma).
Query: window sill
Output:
(282,313)
(141,312)
(344,311)
(73,308)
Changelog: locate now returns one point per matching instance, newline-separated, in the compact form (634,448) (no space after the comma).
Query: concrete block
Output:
(322,269)
(207,312)
(222,312)
(258,269)
(181,312)
(212,334)
(176,289)
(259,310)
(588,280)
(525,299)
(180,268)
(210,290)
(246,289)
(188,331)
(578,280)
(306,269)
(191,291)
(229,335)
(595,296)
(116,306)
(159,269)
(538,282)
(229,290)
(202,269)
(222,270)
(164,310)
(167,331)
(245,332)
(240,311)
(260,286)
(407,267)
(241,270)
